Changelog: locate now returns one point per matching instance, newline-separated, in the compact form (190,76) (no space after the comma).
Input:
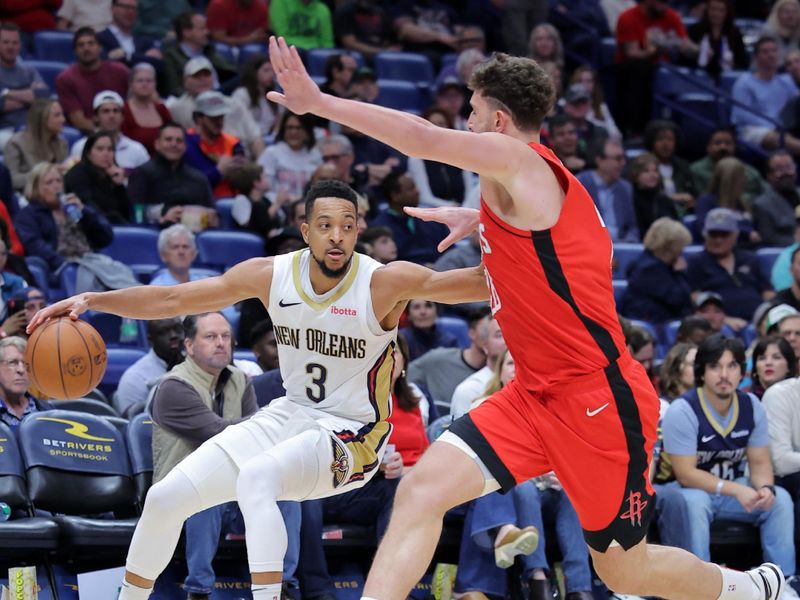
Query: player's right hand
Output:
(300,94)
(747,497)
(72,307)
(461,221)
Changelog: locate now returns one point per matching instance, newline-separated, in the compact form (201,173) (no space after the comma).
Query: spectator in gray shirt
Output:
(20,84)
(458,257)
(442,369)
(773,211)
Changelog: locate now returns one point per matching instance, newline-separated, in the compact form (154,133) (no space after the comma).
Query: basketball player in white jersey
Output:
(335,314)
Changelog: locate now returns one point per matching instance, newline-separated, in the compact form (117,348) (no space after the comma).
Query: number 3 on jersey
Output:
(316,390)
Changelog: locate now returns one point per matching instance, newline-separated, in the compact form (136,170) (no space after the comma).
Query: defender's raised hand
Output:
(300,93)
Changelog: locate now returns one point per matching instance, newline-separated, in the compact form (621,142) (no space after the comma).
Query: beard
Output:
(332,273)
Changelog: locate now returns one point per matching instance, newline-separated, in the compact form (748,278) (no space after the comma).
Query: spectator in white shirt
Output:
(492,344)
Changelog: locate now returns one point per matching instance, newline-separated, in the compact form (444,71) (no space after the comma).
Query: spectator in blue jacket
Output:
(416,240)
(658,290)
(53,231)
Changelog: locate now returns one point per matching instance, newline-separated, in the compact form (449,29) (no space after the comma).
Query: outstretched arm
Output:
(491,155)
(250,279)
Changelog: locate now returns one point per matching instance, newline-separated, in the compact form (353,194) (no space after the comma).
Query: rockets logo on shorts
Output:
(340,465)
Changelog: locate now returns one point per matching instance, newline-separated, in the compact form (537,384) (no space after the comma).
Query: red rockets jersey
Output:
(551,290)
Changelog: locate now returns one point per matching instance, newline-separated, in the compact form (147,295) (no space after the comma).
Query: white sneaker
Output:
(770,582)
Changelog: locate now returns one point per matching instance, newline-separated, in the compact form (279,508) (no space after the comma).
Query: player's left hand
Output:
(300,94)
(72,307)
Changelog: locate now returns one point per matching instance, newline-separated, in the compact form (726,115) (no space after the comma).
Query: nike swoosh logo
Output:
(707,438)
(283,304)
(591,413)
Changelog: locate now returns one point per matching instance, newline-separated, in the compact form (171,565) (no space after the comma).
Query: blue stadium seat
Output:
(71,134)
(456,326)
(692,250)
(670,333)
(316,58)
(608,51)
(49,70)
(20,536)
(243,354)
(68,279)
(40,277)
(766,259)
(198,273)
(248,50)
(53,45)
(404,66)
(119,359)
(449,60)
(108,326)
(728,79)
(624,255)
(620,285)
(648,327)
(698,124)
(439,426)
(88,406)
(401,95)
(223,249)
(224,207)
(137,247)
(93,480)
(668,84)
(139,437)
(229,53)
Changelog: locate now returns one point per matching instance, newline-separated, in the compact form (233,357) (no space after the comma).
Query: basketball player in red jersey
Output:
(580,405)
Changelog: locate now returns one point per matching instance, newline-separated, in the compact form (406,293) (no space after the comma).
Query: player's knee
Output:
(416,490)
(619,575)
(167,501)
(258,481)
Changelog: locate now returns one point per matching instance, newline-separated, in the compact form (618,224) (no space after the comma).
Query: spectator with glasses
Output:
(15,400)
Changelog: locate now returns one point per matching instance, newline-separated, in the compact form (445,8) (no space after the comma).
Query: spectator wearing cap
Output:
(722,268)
(120,42)
(364,85)
(577,105)
(784,321)
(303,23)
(128,153)
(192,40)
(20,84)
(791,294)
(209,148)
(773,211)
(198,78)
(710,307)
(160,188)
(78,84)
(612,194)
(658,290)
(364,26)
(238,22)
(451,98)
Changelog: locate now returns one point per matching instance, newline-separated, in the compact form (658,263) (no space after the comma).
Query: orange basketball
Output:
(66,359)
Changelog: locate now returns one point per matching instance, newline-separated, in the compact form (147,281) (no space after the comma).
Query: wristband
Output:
(771,488)
(720,484)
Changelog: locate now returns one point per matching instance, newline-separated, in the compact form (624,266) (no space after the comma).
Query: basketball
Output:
(66,359)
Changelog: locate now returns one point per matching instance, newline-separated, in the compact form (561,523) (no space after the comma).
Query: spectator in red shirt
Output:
(238,22)
(646,34)
(30,15)
(78,84)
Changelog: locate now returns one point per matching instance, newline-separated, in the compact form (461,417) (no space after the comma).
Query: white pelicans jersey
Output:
(334,355)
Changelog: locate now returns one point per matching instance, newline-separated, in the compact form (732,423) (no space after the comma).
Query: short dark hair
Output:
(597,148)
(334,61)
(329,188)
(764,39)
(244,177)
(391,183)
(9,26)
(92,140)
(711,350)
(371,234)
(170,125)
(475,316)
(83,32)
(518,85)
(690,324)
(190,323)
(259,330)
(776,154)
(656,126)
(783,347)
(558,121)
(183,22)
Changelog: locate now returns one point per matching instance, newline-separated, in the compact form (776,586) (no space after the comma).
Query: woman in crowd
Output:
(773,361)
(292,159)
(720,43)
(783,24)
(422,333)
(726,190)
(58,229)
(649,200)
(663,138)
(658,290)
(98,180)
(677,372)
(439,184)
(258,78)
(545,45)
(143,112)
(41,141)
(599,114)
